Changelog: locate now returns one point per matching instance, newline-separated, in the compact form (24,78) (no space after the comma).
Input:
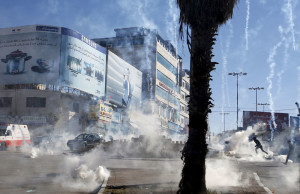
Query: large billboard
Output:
(83,63)
(124,82)
(251,118)
(29,54)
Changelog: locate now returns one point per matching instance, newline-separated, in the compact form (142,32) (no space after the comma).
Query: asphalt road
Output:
(55,173)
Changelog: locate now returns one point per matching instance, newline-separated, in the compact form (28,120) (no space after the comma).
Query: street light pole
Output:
(237,95)
(263,104)
(224,113)
(257,88)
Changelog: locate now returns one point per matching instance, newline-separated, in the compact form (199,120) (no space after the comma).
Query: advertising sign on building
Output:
(106,111)
(124,82)
(83,63)
(30,54)
(93,113)
(34,120)
(100,112)
(250,118)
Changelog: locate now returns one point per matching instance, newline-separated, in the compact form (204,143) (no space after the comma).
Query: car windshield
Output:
(81,136)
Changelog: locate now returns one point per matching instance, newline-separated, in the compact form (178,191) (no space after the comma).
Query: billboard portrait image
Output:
(29,54)
(124,82)
(83,63)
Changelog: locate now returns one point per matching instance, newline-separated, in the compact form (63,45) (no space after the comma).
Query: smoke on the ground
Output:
(224,173)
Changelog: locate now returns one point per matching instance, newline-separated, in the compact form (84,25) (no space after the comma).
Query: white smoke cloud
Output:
(219,171)
(83,172)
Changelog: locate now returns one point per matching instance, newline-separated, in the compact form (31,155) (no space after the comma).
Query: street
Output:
(46,173)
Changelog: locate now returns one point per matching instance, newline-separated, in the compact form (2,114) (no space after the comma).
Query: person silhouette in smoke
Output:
(291,150)
(258,145)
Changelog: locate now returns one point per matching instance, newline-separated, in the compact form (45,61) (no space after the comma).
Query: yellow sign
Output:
(100,112)
(106,111)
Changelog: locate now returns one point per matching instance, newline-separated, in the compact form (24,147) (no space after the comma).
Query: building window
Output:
(161,77)
(5,101)
(182,96)
(167,96)
(166,63)
(187,86)
(36,102)
(183,83)
(139,41)
(75,107)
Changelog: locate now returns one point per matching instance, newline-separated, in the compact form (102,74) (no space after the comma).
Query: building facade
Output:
(160,66)
(184,99)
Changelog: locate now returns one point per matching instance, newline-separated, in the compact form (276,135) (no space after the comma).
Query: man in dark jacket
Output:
(258,145)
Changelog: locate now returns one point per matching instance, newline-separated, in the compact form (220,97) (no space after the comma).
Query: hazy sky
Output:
(262,39)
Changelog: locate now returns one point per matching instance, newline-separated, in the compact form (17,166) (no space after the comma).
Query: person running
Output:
(291,150)
(258,145)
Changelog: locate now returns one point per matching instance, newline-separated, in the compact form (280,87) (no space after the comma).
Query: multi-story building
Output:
(54,77)
(160,66)
(49,75)
(184,99)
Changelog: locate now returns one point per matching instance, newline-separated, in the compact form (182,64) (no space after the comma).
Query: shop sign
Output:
(106,111)
(161,84)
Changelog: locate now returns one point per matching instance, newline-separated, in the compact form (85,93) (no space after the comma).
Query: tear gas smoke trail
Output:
(224,70)
(269,80)
(298,72)
(285,60)
(172,25)
(247,22)
(147,23)
(291,22)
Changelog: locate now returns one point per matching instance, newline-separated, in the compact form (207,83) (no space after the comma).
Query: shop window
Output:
(5,101)
(36,102)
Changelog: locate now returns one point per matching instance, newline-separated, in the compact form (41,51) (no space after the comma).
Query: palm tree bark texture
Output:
(202,17)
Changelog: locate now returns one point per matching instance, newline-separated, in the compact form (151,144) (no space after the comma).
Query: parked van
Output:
(13,135)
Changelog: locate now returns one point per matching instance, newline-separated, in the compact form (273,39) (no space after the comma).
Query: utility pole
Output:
(237,95)
(263,104)
(224,113)
(257,88)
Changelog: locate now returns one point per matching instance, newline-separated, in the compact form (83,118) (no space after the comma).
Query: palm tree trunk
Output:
(195,150)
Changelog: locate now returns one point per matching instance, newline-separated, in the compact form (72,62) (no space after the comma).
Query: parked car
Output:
(84,142)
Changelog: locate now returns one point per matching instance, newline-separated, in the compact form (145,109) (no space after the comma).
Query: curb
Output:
(260,183)
(103,186)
